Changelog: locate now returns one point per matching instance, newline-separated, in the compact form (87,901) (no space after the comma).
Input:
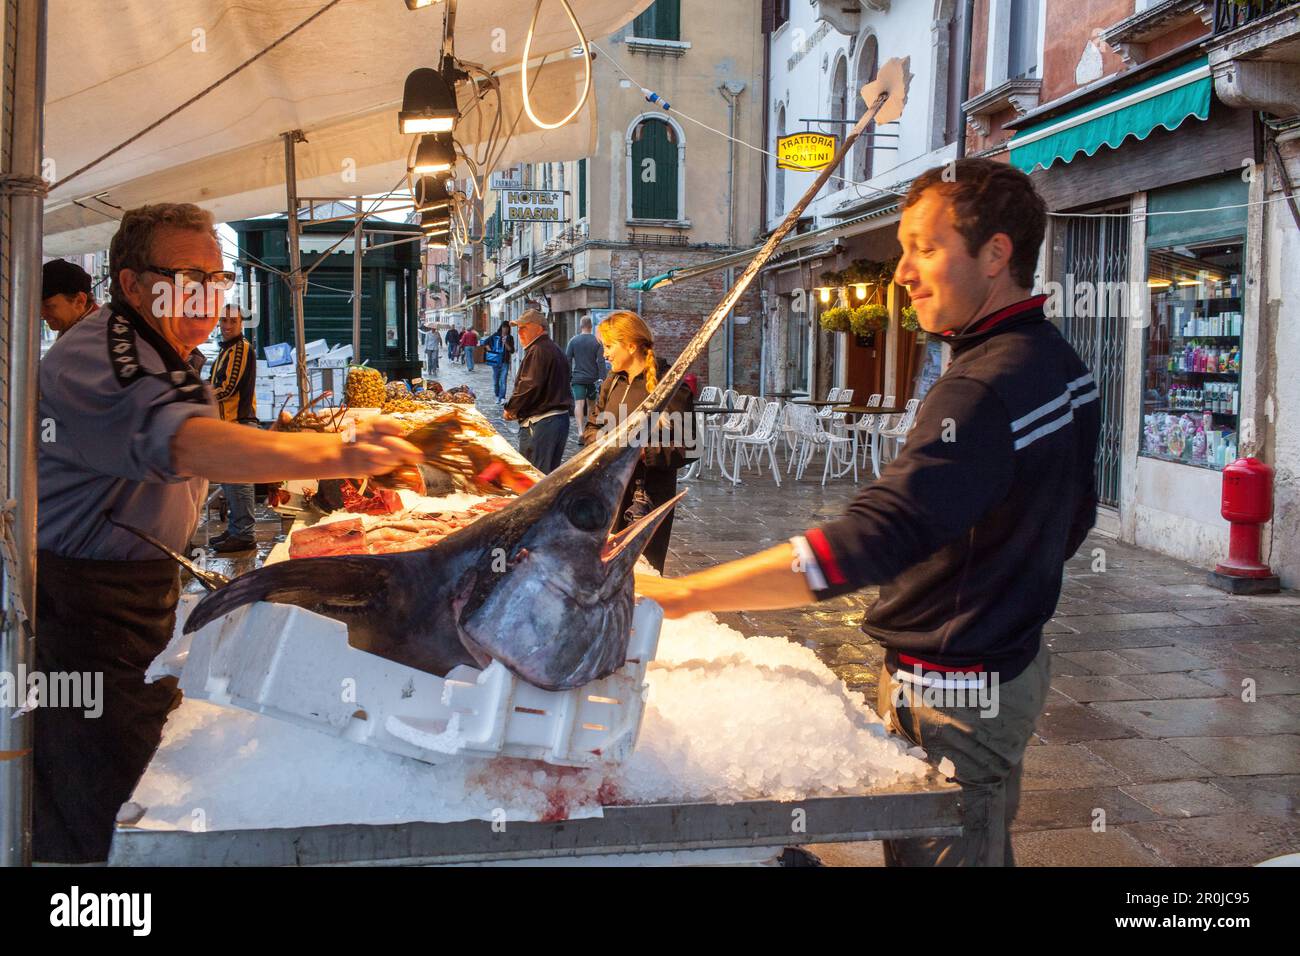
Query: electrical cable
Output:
(523,68)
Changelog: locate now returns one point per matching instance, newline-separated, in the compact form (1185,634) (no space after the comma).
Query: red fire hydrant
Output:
(1247,504)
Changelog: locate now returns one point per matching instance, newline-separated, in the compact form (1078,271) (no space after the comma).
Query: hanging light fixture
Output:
(432,192)
(420,4)
(861,290)
(428,103)
(825,294)
(434,221)
(435,154)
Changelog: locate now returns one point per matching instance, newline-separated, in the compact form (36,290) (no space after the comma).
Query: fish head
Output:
(553,599)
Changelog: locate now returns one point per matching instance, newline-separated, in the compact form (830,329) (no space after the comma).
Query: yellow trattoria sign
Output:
(805,151)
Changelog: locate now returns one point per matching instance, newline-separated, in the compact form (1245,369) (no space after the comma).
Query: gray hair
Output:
(585,323)
(132,245)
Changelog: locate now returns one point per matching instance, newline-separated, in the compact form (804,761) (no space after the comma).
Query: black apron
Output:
(111,617)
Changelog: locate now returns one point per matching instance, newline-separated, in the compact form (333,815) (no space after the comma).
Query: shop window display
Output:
(1192,359)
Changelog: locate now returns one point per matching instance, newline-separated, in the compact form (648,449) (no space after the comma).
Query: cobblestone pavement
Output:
(1150,719)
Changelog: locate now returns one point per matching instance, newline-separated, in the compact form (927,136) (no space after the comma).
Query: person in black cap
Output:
(66,294)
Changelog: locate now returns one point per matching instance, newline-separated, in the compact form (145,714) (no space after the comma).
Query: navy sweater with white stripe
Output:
(968,529)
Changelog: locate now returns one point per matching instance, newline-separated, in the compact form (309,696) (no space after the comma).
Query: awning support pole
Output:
(22,196)
(296,279)
(358,242)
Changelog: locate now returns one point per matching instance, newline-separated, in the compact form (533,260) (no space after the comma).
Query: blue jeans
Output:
(500,379)
(469,357)
(431,360)
(239,506)
(543,443)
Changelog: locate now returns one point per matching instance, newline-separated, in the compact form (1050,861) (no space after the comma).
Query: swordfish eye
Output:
(588,514)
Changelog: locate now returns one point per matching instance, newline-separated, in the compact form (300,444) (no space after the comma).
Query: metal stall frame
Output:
(936,807)
(22,194)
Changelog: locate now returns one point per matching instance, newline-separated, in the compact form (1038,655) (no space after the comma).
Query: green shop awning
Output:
(1164,100)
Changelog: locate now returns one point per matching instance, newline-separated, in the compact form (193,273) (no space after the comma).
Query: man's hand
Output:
(508,415)
(669,593)
(376,447)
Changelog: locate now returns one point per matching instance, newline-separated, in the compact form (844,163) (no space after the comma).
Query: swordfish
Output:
(540,585)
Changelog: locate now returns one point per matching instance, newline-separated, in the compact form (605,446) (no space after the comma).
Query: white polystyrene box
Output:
(295,665)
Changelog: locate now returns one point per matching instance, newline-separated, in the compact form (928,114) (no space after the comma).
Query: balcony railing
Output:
(1230,15)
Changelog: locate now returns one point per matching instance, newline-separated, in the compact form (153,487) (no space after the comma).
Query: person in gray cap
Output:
(132,436)
(541,400)
(67,294)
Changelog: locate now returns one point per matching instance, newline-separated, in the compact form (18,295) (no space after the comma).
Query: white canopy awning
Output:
(115,66)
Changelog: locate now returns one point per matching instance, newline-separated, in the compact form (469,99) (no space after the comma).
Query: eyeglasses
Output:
(222,281)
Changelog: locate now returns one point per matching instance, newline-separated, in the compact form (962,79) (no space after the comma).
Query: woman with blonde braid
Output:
(633,373)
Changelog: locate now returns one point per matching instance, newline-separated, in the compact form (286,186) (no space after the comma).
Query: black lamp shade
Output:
(435,154)
(428,103)
(431,193)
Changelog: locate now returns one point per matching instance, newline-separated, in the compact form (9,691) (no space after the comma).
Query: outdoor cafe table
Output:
(875,432)
(710,410)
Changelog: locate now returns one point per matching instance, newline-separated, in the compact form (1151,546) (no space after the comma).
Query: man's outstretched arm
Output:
(766,581)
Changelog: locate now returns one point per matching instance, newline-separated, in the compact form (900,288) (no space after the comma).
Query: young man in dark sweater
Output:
(967,530)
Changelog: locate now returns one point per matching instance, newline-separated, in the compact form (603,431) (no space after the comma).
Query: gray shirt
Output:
(113,395)
(586,359)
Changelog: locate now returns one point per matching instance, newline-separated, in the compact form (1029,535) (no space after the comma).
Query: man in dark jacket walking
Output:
(967,530)
(541,401)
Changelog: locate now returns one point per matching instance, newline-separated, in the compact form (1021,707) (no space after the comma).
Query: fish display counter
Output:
(747,745)
(284,753)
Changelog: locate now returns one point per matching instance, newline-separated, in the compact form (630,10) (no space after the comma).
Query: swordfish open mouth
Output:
(638,533)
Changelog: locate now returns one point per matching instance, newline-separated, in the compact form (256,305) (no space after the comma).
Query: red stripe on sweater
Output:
(822,552)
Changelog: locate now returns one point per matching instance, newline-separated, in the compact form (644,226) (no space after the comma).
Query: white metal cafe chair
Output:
(860,430)
(897,435)
(718,425)
(837,449)
(763,438)
(709,395)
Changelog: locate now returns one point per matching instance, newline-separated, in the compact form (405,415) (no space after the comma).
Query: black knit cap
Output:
(60,277)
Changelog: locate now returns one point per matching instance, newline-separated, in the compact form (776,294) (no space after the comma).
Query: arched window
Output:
(840,93)
(863,157)
(655,158)
(779,190)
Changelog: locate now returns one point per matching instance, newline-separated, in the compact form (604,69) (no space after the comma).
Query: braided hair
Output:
(630,329)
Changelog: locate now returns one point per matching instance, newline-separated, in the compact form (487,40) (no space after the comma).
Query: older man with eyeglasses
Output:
(132,435)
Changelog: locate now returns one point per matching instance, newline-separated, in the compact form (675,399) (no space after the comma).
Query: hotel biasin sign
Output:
(532,205)
(804,152)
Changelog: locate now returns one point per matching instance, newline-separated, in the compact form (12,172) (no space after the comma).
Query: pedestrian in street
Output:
(234,384)
(500,351)
(138,439)
(586,361)
(541,401)
(432,346)
(634,370)
(67,294)
(453,342)
(468,342)
(968,529)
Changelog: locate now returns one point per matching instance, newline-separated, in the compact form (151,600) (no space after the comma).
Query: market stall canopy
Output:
(1166,100)
(116,66)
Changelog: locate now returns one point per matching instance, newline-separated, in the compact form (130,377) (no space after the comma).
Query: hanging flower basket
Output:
(836,319)
(866,320)
(909,320)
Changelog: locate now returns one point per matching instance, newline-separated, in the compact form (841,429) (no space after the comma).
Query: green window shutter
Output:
(662,21)
(654,140)
(582,189)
